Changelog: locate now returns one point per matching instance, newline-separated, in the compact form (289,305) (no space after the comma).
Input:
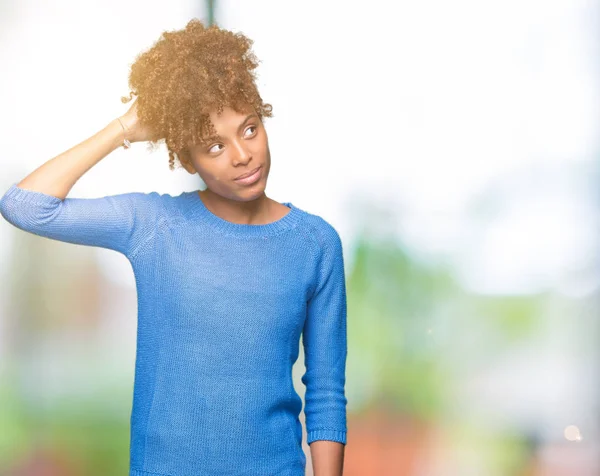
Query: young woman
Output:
(227,278)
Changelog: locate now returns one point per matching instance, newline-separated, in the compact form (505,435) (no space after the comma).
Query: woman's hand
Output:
(134,130)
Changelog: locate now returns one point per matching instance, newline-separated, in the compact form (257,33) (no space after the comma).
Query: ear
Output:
(185,161)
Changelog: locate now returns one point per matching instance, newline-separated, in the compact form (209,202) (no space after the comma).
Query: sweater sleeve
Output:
(325,347)
(117,222)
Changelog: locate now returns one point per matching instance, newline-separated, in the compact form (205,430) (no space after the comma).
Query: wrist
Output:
(126,135)
(116,133)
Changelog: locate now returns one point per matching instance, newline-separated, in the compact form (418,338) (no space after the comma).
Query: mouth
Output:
(247,174)
(250,177)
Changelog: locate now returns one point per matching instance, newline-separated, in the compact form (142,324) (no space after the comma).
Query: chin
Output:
(255,192)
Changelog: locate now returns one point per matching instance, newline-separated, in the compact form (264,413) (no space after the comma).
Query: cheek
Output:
(210,175)
(216,176)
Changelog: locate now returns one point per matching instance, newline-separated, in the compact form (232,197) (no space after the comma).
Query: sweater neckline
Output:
(288,221)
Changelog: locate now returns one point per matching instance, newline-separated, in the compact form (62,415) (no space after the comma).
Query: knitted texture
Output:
(221,309)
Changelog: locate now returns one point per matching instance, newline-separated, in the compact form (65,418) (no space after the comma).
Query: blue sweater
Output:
(221,307)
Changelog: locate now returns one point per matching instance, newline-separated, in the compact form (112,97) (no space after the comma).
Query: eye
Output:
(210,150)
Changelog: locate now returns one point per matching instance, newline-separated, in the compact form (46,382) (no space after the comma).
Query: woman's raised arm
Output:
(38,203)
(57,176)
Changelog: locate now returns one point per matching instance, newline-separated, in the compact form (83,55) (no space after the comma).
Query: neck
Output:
(253,212)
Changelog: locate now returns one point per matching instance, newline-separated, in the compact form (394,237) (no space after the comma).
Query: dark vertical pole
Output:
(210,8)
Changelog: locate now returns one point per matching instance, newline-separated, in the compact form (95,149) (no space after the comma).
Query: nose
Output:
(242,153)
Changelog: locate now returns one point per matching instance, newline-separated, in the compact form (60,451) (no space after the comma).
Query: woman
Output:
(227,278)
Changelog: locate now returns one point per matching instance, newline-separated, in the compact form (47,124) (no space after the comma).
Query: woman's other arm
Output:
(325,351)
(327,458)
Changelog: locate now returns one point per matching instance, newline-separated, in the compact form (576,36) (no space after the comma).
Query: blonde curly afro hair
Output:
(187,74)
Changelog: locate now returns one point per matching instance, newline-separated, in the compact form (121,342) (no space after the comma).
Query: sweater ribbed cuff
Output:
(30,196)
(326,434)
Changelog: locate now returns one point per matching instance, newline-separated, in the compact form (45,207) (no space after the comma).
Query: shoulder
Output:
(323,232)
(141,199)
(158,205)
(142,206)
(155,212)
(327,258)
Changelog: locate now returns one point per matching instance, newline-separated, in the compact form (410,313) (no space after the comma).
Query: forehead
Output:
(227,123)
(229,117)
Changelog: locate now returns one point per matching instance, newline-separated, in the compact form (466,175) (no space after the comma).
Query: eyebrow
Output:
(246,120)
(242,124)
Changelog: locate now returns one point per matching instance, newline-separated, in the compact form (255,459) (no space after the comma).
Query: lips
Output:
(247,174)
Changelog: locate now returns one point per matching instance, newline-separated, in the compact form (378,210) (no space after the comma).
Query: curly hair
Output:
(186,75)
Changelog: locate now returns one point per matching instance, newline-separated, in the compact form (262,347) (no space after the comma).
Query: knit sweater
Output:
(220,310)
